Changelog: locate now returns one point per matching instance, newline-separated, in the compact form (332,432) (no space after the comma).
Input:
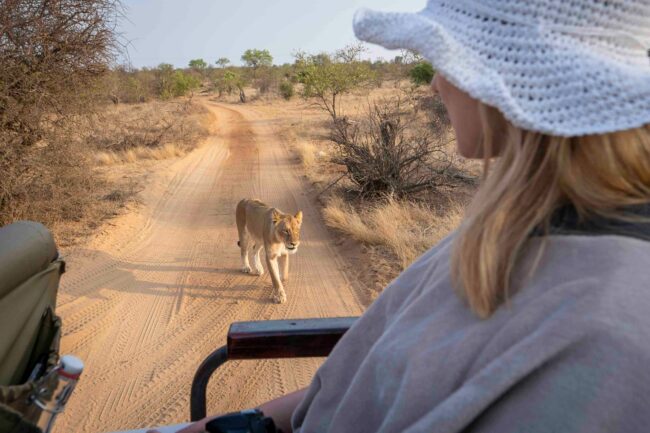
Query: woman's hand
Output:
(281,409)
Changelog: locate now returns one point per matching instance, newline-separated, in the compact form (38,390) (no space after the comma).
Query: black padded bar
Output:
(286,338)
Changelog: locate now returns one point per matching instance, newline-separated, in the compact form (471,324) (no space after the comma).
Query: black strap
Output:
(636,224)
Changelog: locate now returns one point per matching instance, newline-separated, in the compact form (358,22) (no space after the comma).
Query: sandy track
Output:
(146,302)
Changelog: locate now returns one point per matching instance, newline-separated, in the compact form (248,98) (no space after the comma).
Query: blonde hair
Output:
(535,175)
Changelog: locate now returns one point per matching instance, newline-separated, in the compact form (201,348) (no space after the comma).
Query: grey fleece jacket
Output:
(570,351)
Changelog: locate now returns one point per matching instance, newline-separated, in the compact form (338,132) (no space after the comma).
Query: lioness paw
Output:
(280,298)
(246,269)
(258,271)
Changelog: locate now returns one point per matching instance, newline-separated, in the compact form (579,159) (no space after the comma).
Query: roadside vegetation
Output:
(370,136)
(386,172)
(66,110)
(154,130)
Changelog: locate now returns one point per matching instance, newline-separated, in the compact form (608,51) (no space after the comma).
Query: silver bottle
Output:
(65,375)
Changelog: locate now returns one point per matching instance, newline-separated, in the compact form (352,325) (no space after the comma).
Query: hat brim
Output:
(397,30)
(518,87)
(429,38)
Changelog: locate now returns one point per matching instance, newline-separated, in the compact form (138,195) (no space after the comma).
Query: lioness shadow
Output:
(111,273)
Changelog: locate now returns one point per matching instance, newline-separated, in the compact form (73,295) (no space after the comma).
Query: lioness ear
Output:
(299,217)
(276,216)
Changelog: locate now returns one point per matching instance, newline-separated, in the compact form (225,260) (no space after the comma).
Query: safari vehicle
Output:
(36,382)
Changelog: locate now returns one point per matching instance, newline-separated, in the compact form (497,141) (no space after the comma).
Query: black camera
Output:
(247,421)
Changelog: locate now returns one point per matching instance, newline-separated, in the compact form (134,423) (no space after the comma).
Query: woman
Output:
(535,315)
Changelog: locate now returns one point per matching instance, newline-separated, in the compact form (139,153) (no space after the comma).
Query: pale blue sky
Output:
(175,31)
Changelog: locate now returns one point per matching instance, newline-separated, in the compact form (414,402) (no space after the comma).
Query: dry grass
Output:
(169,150)
(56,183)
(73,180)
(312,153)
(156,130)
(406,228)
(307,153)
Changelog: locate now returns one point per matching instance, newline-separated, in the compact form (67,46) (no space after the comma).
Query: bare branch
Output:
(388,153)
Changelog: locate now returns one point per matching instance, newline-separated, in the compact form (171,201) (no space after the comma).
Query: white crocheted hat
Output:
(562,67)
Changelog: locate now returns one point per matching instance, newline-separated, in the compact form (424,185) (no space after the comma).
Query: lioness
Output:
(262,226)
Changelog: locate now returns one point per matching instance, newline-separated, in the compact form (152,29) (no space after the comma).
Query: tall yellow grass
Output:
(406,228)
(153,130)
(298,136)
(307,153)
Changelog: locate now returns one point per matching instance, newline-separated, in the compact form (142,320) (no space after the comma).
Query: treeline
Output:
(345,66)
(129,85)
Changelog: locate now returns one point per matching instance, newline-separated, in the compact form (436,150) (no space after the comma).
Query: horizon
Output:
(168,31)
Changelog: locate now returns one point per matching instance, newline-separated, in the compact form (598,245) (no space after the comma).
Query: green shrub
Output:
(286,89)
(328,77)
(174,83)
(184,83)
(229,82)
(421,74)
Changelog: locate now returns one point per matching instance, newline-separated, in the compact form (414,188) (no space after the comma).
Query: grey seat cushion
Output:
(29,281)
(26,248)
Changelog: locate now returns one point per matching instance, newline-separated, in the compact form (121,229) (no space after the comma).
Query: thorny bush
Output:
(392,151)
(52,55)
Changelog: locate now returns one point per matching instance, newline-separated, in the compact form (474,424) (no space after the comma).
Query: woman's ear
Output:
(299,217)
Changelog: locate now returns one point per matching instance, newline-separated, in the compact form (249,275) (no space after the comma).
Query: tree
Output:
(327,78)
(54,56)
(49,50)
(421,74)
(198,64)
(165,80)
(351,53)
(408,57)
(222,62)
(230,81)
(171,83)
(199,67)
(256,59)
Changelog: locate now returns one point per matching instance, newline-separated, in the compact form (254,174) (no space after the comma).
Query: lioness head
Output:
(287,229)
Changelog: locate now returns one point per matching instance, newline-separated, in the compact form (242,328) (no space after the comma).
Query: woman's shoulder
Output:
(606,278)
(599,278)
(598,261)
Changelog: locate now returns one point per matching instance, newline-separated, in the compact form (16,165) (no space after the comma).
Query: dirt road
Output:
(147,301)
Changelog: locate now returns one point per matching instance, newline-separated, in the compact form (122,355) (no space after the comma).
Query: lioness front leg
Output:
(284,266)
(272,262)
(257,263)
(243,245)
